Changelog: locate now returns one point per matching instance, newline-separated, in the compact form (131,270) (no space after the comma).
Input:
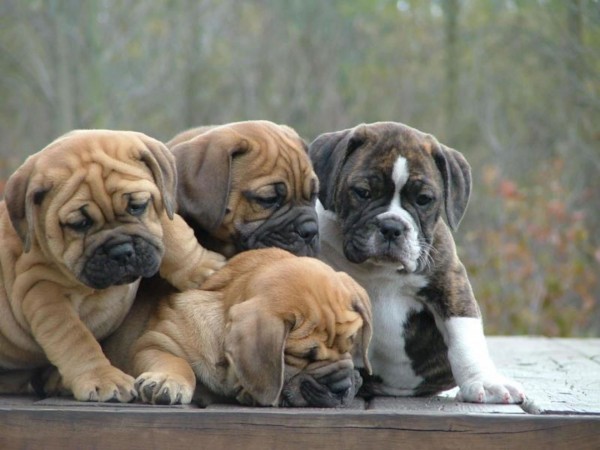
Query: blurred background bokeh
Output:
(513,84)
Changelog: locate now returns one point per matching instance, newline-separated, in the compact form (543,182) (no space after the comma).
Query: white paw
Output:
(491,389)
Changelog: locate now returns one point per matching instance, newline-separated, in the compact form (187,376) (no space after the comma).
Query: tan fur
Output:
(47,313)
(249,331)
(188,134)
(234,164)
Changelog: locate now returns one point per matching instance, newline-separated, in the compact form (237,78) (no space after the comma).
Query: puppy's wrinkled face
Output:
(248,185)
(315,342)
(319,370)
(97,211)
(273,195)
(389,200)
(331,321)
(271,212)
(294,326)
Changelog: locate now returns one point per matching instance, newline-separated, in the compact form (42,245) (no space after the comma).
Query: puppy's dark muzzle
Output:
(391,230)
(335,393)
(329,386)
(295,230)
(121,261)
(121,253)
(307,230)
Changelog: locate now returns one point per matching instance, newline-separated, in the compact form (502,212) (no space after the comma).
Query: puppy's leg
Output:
(472,367)
(71,347)
(186,264)
(165,379)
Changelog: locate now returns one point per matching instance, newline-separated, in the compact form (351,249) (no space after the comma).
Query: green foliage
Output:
(513,84)
(535,268)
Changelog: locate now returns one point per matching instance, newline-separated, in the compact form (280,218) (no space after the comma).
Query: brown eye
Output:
(423,199)
(362,193)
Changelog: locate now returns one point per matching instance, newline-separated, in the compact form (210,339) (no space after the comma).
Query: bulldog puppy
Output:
(82,221)
(384,187)
(247,185)
(270,328)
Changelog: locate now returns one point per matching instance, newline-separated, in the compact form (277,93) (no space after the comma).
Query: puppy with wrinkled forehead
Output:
(247,185)
(269,329)
(82,221)
(384,190)
(241,186)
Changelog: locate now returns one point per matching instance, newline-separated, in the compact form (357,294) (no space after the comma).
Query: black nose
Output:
(121,252)
(307,231)
(391,229)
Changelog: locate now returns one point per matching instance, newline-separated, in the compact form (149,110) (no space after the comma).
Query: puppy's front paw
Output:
(193,277)
(212,262)
(161,388)
(491,389)
(105,384)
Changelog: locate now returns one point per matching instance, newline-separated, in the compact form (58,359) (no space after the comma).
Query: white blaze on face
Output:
(410,249)
(400,173)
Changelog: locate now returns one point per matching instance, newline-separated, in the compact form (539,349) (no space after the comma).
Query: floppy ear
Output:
(22,195)
(328,153)
(254,346)
(187,135)
(456,174)
(361,303)
(161,163)
(204,174)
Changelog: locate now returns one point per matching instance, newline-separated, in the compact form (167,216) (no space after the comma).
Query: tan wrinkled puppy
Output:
(247,185)
(82,221)
(270,328)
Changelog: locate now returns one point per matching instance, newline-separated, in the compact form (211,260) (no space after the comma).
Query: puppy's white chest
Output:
(393,300)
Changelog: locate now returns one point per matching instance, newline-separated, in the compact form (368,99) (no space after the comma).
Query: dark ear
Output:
(328,153)
(22,195)
(254,346)
(456,174)
(204,174)
(161,163)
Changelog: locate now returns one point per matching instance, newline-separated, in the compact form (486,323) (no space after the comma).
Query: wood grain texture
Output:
(561,376)
(255,428)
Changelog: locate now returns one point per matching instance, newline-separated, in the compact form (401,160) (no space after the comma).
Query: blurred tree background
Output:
(513,84)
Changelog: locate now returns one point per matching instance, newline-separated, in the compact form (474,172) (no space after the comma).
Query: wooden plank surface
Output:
(562,377)
(261,428)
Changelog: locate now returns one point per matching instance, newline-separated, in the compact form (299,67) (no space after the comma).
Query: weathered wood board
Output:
(561,376)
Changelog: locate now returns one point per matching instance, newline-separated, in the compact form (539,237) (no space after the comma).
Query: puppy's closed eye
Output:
(136,208)
(81,225)
(312,353)
(79,221)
